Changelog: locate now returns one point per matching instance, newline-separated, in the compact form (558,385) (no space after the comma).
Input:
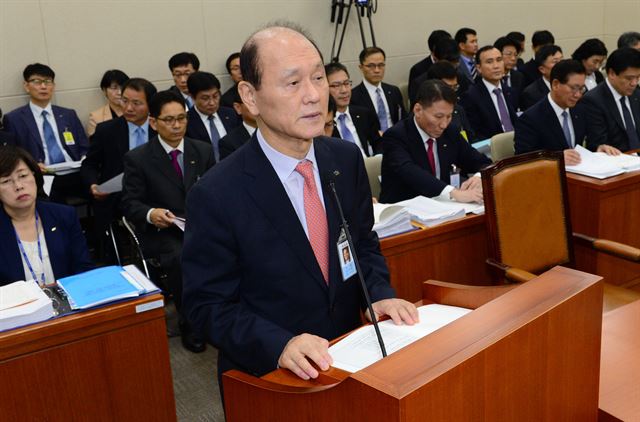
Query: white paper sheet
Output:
(112,185)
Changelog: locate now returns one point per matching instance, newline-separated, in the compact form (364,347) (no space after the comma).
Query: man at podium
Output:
(262,274)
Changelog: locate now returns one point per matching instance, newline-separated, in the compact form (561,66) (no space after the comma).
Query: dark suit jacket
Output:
(419,68)
(530,72)
(533,93)
(604,122)
(66,244)
(226,100)
(517,87)
(405,167)
(367,127)
(538,128)
(251,280)
(197,130)
(21,123)
(478,105)
(233,140)
(360,97)
(7,138)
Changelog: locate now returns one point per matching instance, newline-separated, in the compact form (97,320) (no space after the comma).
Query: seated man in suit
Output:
(613,107)
(546,57)
(556,123)
(445,72)
(182,65)
(382,99)
(488,102)
(422,151)
(208,122)
(157,177)
(510,50)
(629,39)
(355,124)
(467,40)
(261,269)
(530,69)
(240,134)
(111,141)
(422,66)
(233,68)
(51,134)
(446,50)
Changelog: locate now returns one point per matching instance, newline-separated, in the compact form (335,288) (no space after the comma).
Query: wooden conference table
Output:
(109,363)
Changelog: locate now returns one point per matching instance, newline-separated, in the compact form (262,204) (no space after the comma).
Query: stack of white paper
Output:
(22,303)
(361,349)
(66,167)
(467,207)
(390,219)
(600,165)
(430,212)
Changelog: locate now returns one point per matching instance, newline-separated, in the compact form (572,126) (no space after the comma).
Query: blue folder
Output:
(97,286)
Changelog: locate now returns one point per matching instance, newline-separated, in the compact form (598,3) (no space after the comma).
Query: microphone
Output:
(329,178)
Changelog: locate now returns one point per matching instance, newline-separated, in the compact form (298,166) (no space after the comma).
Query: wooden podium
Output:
(526,353)
(109,363)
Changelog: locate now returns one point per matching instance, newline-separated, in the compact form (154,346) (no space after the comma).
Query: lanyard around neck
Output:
(26,258)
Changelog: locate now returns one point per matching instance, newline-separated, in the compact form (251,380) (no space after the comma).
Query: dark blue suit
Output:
(251,279)
(197,130)
(21,123)
(66,244)
(482,114)
(539,128)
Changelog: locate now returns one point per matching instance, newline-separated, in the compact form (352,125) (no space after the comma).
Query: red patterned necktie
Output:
(430,156)
(316,218)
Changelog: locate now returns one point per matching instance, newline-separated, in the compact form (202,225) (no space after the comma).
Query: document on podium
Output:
(361,349)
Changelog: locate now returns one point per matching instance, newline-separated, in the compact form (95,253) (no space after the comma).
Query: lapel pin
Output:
(193,162)
(54,229)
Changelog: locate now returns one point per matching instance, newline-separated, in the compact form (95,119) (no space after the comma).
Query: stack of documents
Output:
(390,219)
(104,285)
(600,165)
(66,167)
(429,212)
(22,303)
(361,348)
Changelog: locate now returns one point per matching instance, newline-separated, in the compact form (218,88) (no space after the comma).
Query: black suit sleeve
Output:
(92,164)
(134,191)
(596,124)
(526,135)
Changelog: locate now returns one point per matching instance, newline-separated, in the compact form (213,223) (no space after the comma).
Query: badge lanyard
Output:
(26,258)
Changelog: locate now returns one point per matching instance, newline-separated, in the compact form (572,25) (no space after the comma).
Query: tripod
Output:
(339,6)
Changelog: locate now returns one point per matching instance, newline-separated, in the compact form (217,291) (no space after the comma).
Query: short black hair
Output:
(201,81)
(628,39)
(370,51)
(482,50)
(333,67)
(503,42)
(113,76)
(622,59)
(38,69)
(442,70)
(436,36)
(591,47)
(565,68)
(545,52)
(249,57)
(231,58)
(447,49)
(461,35)
(516,36)
(141,85)
(433,90)
(164,97)
(543,37)
(10,157)
(331,106)
(184,59)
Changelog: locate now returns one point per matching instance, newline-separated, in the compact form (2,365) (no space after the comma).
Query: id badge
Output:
(347,265)
(68,138)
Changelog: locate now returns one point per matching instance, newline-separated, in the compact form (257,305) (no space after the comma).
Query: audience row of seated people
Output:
(163,142)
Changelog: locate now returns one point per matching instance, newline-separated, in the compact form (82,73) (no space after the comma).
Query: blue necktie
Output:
(565,128)
(634,143)
(215,138)
(55,153)
(344,130)
(139,136)
(382,112)
(473,70)
(189,102)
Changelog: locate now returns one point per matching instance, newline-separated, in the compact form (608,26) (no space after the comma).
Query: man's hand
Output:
(43,167)
(161,218)
(608,149)
(299,349)
(469,195)
(100,196)
(472,183)
(399,310)
(571,157)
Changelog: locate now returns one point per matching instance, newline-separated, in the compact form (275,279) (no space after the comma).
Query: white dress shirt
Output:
(37,115)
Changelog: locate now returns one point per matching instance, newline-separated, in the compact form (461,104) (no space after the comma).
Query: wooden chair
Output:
(502,146)
(528,222)
(374,170)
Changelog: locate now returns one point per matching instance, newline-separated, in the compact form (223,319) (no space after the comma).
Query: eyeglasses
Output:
(336,85)
(373,66)
(181,74)
(21,178)
(45,82)
(170,120)
(577,89)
